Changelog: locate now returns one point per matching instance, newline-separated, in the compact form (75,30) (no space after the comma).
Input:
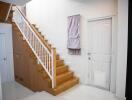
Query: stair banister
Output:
(33,28)
(46,57)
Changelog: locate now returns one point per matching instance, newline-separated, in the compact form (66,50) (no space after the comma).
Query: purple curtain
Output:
(73,44)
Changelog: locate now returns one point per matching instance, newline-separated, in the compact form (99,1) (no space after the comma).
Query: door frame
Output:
(113,49)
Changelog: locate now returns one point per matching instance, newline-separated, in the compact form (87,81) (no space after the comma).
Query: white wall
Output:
(51,18)
(122,47)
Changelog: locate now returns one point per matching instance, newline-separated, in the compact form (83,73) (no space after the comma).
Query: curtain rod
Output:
(74,15)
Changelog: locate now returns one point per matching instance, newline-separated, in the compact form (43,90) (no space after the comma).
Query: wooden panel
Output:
(25,66)
(4,7)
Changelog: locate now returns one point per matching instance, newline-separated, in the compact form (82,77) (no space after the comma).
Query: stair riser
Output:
(59,63)
(61,80)
(64,79)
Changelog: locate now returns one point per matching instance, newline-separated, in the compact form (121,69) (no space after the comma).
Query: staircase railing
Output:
(46,57)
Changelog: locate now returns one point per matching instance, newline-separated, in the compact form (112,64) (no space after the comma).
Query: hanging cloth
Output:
(73,44)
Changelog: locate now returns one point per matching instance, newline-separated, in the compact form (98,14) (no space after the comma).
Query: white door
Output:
(6,53)
(99,52)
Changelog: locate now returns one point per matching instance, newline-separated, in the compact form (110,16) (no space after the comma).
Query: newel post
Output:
(53,52)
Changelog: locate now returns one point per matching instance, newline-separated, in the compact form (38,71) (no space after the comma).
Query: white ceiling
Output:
(16,2)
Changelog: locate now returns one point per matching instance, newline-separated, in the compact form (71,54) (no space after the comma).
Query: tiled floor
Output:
(14,91)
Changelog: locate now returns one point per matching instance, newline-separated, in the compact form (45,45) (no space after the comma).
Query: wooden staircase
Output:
(31,73)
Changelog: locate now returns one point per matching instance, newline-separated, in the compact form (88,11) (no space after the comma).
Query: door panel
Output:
(99,52)
(6,53)
(3,57)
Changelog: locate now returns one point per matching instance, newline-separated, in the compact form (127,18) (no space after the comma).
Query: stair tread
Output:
(64,74)
(63,66)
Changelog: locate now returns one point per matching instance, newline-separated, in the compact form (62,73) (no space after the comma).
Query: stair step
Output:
(57,57)
(60,79)
(59,63)
(61,69)
(64,77)
(62,87)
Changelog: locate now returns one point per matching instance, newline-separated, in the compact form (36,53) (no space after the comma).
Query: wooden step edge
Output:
(59,60)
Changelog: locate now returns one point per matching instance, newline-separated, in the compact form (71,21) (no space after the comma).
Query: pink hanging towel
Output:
(73,44)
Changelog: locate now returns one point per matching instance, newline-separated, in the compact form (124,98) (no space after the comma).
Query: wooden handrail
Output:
(37,33)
